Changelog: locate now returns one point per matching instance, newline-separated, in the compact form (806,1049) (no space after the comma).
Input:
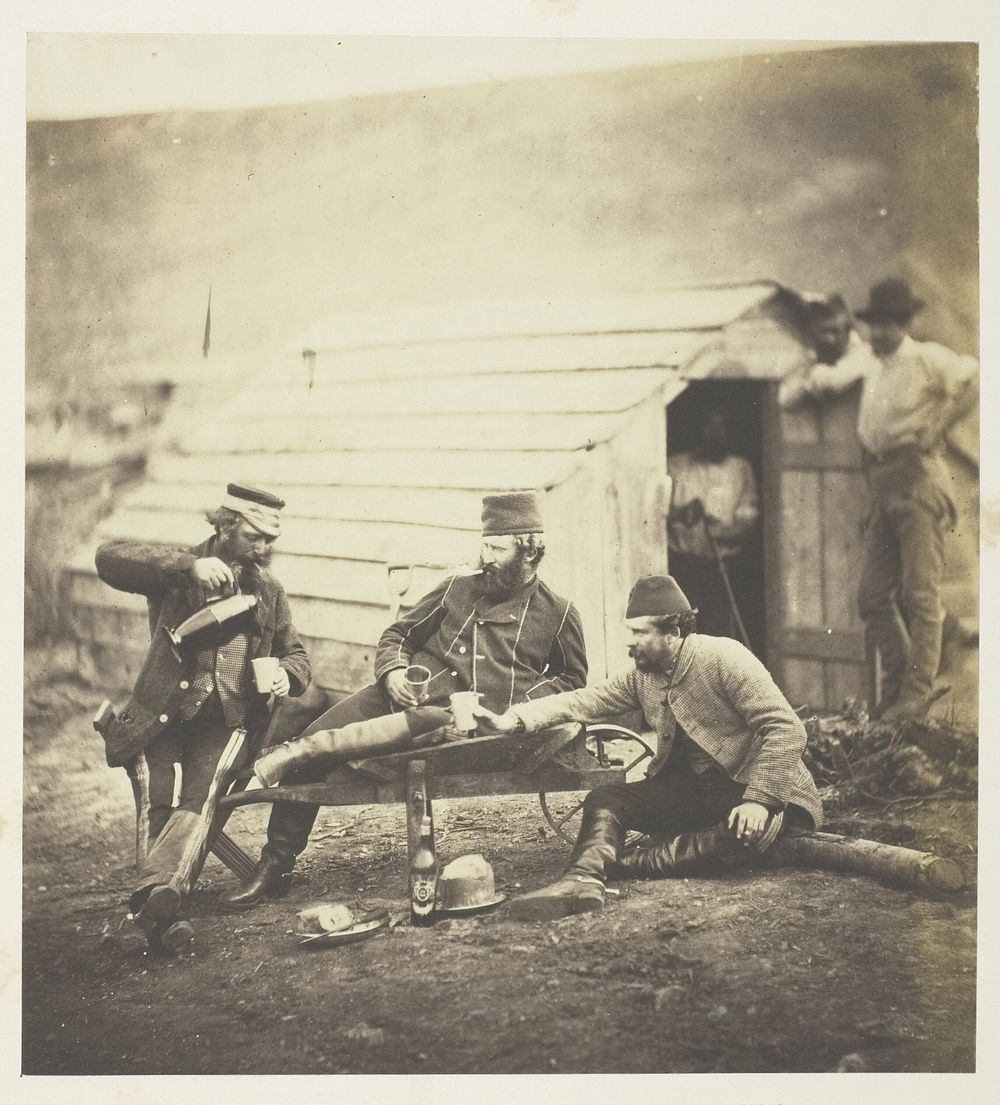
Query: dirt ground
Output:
(778,970)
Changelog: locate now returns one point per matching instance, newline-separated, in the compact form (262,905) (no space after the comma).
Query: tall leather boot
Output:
(598,843)
(389,733)
(581,889)
(287,834)
(271,878)
(694,852)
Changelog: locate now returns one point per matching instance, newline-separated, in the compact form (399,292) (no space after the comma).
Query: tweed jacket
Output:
(161,573)
(527,646)
(725,700)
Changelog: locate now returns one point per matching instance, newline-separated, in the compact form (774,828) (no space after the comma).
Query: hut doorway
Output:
(734,409)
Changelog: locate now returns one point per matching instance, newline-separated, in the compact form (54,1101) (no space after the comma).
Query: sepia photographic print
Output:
(502,526)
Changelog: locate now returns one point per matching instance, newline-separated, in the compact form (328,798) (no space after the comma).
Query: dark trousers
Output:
(291,823)
(674,801)
(209,756)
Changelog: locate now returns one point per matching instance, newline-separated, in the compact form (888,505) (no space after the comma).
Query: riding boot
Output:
(694,852)
(271,878)
(287,835)
(581,889)
(389,733)
(598,843)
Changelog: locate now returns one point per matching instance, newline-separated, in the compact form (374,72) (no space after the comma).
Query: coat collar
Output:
(657,680)
(905,352)
(689,650)
(508,609)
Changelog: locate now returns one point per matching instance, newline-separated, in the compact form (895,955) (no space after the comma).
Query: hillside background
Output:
(824,170)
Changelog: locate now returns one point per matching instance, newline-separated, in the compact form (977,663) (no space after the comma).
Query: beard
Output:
(657,661)
(247,567)
(498,581)
(829,354)
(641,660)
(248,575)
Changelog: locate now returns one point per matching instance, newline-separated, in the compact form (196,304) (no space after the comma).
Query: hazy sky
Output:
(87,75)
(108,57)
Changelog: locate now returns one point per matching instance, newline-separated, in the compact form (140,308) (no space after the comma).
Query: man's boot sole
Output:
(161,904)
(552,909)
(177,937)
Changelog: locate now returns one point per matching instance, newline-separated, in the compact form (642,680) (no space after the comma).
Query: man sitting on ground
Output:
(728,775)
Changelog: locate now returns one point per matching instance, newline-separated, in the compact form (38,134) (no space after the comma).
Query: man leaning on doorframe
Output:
(912,393)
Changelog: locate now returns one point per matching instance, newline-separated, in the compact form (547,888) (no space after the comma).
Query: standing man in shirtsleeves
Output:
(192,707)
(502,632)
(913,392)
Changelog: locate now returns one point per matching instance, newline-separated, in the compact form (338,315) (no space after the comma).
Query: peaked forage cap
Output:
(259,507)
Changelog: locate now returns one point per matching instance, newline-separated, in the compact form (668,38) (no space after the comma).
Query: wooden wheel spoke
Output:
(597,735)
(645,754)
(572,812)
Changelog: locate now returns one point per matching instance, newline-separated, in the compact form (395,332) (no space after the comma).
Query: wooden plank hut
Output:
(382,432)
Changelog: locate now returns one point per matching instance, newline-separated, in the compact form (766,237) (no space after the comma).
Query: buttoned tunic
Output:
(162,574)
(526,646)
(728,704)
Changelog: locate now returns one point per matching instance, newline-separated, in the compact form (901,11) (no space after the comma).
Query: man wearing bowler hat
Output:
(501,632)
(194,704)
(728,775)
(912,393)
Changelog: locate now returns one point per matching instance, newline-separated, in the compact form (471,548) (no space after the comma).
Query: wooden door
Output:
(816,505)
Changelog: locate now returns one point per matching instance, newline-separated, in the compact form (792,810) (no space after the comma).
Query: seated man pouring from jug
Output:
(500,632)
(728,775)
